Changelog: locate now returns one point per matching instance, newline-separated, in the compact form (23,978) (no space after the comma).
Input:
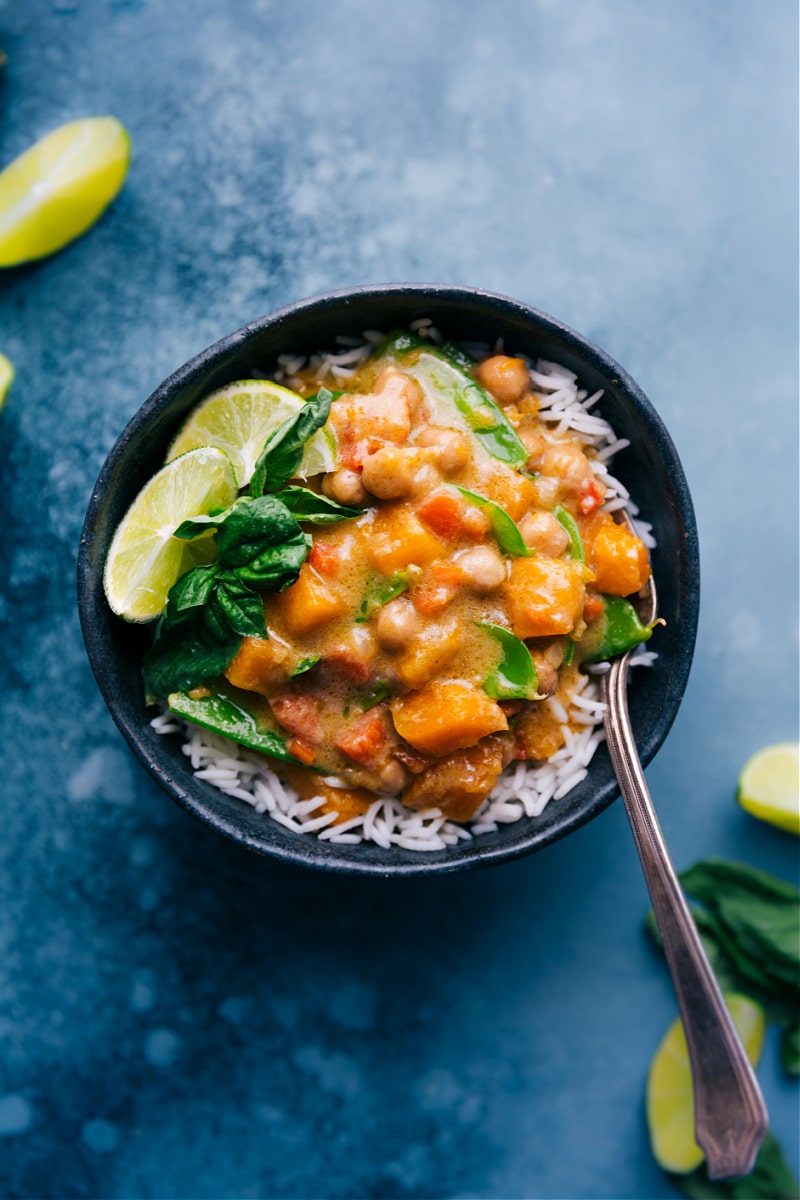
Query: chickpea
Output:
(569,464)
(451,449)
(544,533)
(388,472)
(506,378)
(398,622)
(345,486)
(475,524)
(483,569)
(393,777)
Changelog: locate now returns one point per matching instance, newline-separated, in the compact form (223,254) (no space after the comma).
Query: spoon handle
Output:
(730,1114)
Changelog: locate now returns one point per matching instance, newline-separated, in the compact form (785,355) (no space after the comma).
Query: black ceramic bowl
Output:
(649,468)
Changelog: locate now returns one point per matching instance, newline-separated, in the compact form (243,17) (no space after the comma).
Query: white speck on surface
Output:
(438,1090)
(233,1009)
(105,774)
(162,1047)
(334,1072)
(142,851)
(99,1135)
(16,1115)
(143,992)
(353,1006)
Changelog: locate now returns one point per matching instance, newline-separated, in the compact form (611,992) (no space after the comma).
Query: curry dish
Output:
(412,653)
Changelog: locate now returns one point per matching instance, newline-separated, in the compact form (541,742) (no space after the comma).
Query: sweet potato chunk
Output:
(618,558)
(511,491)
(443,512)
(397,539)
(459,783)
(260,664)
(432,650)
(444,717)
(544,596)
(310,602)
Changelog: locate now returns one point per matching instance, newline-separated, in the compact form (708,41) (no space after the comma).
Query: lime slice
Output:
(240,417)
(59,187)
(670,1102)
(6,377)
(769,785)
(144,559)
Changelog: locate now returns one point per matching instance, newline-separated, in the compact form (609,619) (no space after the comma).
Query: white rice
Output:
(523,790)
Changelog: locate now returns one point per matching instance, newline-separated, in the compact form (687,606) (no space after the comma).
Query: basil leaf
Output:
(283,450)
(241,606)
(262,542)
(183,658)
(224,715)
(514,677)
(304,664)
(570,527)
(380,592)
(306,505)
(505,530)
(770,1179)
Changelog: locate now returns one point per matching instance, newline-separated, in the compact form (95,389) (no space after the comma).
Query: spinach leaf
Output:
(283,450)
(190,592)
(306,505)
(749,931)
(505,530)
(239,605)
(184,656)
(514,677)
(770,1179)
(262,542)
(761,913)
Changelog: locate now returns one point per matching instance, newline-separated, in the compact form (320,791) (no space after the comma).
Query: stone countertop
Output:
(180,1019)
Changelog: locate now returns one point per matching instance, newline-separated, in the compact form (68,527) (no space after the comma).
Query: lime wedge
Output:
(769,785)
(144,559)
(59,187)
(239,418)
(6,377)
(670,1102)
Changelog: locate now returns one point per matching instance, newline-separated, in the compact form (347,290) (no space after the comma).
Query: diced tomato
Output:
(354,654)
(591,496)
(301,751)
(437,589)
(443,512)
(366,740)
(352,453)
(298,715)
(324,558)
(593,607)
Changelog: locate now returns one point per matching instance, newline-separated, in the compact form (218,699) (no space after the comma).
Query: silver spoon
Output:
(730,1114)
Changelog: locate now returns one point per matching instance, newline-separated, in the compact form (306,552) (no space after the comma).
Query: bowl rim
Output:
(91,598)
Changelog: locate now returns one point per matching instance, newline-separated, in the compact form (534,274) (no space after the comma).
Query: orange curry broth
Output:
(395,703)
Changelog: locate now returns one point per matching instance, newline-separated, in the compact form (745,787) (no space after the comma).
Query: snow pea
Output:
(222,714)
(617,630)
(446,383)
(570,527)
(505,530)
(514,677)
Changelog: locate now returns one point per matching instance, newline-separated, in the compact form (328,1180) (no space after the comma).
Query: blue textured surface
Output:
(179,1019)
